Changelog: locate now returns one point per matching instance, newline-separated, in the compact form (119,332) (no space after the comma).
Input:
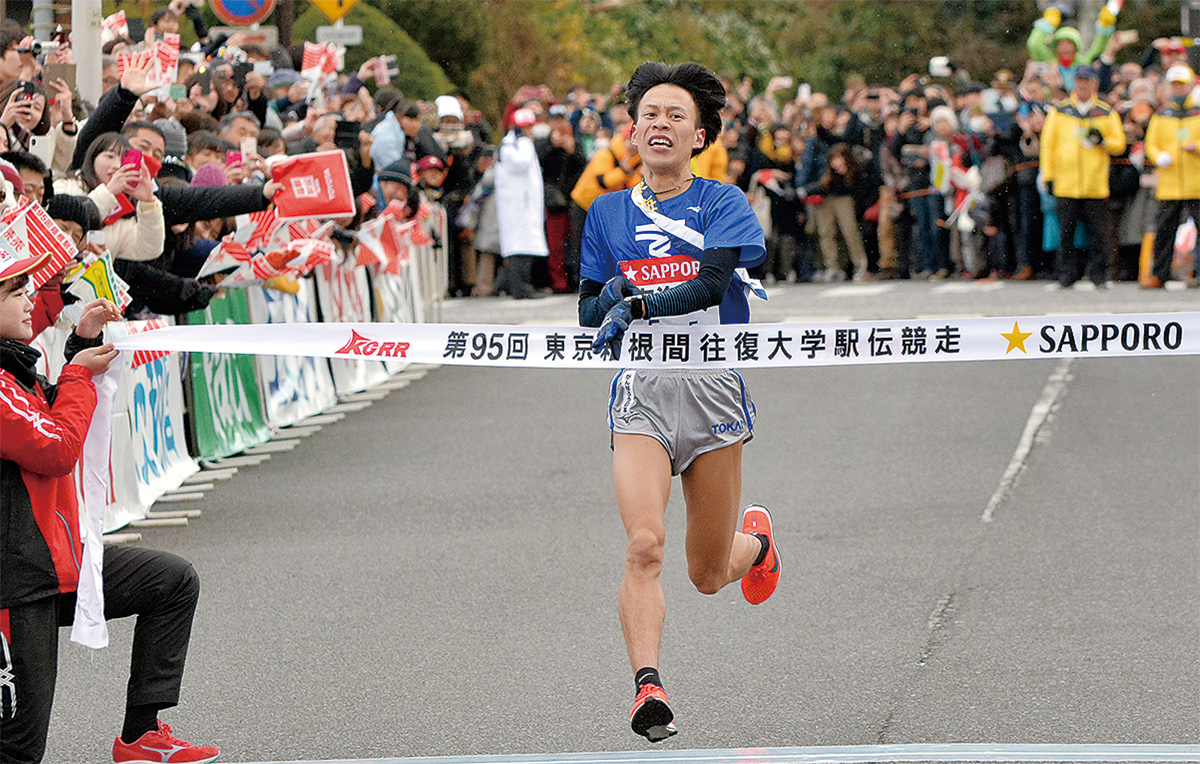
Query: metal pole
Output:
(43,19)
(85,27)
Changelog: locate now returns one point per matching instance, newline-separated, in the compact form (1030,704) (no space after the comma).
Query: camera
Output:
(41,48)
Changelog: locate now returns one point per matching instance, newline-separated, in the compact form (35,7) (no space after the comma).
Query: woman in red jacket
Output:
(42,431)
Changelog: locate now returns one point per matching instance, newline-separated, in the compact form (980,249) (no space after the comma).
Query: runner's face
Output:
(667,128)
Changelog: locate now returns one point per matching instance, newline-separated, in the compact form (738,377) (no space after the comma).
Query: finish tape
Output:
(698,347)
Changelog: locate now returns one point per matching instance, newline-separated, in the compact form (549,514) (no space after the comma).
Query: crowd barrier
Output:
(175,411)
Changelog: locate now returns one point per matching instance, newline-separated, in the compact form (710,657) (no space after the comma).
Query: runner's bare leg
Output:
(717,553)
(642,478)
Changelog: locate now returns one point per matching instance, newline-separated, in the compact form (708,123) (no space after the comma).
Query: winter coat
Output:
(1165,134)
(1077,170)
(42,431)
(519,198)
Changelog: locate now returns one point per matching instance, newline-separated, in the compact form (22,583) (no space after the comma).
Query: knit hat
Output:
(283,78)
(399,171)
(211,174)
(175,136)
(77,209)
(448,106)
(1069,33)
(943,112)
(1087,73)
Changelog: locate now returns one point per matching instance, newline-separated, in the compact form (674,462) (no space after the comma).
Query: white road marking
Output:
(1037,418)
(857,290)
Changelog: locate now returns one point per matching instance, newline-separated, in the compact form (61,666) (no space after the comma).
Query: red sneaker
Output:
(759,583)
(651,716)
(161,747)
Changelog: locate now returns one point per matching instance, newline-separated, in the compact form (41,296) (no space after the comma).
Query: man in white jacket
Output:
(519,207)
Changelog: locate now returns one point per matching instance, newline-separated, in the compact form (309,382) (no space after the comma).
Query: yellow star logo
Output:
(1016,340)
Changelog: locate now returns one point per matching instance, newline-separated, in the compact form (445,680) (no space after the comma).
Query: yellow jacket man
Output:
(1077,139)
(1172,140)
(1079,136)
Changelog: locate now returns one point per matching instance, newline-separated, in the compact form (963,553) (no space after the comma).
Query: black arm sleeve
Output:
(258,107)
(75,343)
(162,291)
(704,291)
(185,205)
(197,19)
(109,117)
(589,312)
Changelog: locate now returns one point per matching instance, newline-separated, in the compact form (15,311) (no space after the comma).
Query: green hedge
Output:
(419,77)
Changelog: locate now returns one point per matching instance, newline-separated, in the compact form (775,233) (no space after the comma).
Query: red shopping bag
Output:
(314,186)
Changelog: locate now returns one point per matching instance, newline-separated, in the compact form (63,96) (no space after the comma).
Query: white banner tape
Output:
(698,347)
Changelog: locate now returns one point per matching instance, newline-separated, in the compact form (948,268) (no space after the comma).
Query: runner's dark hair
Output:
(704,87)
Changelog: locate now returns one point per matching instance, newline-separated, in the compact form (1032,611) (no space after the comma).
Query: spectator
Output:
(1049,42)
(480,223)
(562,164)
(520,206)
(124,194)
(40,445)
(34,175)
(1172,149)
(1077,140)
(840,185)
(31,124)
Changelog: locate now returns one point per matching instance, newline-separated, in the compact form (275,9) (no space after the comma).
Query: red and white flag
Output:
(315,186)
(305,254)
(257,228)
(114,27)
(29,229)
(227,254)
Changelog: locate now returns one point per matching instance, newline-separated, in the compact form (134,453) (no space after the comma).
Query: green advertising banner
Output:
(226,410)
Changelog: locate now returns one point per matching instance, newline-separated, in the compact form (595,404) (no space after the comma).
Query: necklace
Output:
(676,187)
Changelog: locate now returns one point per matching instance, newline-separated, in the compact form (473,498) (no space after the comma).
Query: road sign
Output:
(340,35)
(268,36)
(334,9)
(242,12)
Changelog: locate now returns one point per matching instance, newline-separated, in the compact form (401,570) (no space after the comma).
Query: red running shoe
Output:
(161,747)
(651,716)
(759,583)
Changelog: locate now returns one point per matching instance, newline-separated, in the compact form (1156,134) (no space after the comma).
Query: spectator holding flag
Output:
(42,432)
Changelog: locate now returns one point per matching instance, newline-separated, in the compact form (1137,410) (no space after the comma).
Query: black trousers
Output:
(1072,263)
(1171,212)
(160,588)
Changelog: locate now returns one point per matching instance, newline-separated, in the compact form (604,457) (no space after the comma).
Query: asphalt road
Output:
(436,575)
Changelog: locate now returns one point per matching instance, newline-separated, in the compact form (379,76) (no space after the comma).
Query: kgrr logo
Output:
(360,345)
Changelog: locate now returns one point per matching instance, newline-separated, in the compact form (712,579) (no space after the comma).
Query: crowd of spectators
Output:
(940,175)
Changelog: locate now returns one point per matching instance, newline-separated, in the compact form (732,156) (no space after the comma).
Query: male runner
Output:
(663,422)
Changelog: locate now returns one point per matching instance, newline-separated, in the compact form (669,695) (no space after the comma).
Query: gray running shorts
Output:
(689,411)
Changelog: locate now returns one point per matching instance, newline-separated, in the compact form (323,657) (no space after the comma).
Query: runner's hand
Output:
(617,289)
(611,333)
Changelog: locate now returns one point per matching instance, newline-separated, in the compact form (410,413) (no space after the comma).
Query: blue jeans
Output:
(931,241)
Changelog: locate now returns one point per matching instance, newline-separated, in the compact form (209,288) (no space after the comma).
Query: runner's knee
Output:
(705,579)
(645,552)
